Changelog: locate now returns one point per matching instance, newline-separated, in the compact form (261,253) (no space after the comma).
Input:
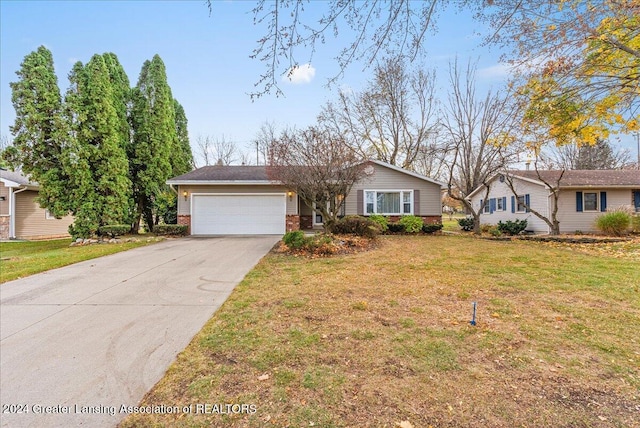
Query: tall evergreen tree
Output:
(184,162)
(154,138)
(39,131)
(99,184)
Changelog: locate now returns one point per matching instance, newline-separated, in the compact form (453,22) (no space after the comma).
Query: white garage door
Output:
(247,214)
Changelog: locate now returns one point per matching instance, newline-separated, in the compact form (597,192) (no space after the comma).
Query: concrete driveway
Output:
(80,342)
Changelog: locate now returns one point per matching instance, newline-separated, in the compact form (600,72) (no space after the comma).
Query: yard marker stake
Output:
(473,321)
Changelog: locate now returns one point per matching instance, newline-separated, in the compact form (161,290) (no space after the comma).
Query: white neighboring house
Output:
(583,196)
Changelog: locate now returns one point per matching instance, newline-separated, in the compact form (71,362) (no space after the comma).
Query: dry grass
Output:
(373,339)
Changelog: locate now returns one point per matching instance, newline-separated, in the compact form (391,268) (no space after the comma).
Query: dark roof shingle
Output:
(590,178)
(225,173)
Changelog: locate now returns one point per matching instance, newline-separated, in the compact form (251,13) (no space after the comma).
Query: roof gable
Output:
(15,179)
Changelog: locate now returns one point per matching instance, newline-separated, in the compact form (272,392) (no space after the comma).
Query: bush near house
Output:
(635,223)
(381,220)
(170,229)
(512,227)
(114,230)
(357,225)
(614,223)
(294,239)
(412,223)
(466,224)
(432,228)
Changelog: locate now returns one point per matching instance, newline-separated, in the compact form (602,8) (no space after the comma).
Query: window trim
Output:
(401,192)
(501,201)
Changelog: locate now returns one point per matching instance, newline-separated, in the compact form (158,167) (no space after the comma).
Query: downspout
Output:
(12,209)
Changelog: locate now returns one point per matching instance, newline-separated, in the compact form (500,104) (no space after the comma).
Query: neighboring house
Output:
(21,216)
(583,196)
(230,200)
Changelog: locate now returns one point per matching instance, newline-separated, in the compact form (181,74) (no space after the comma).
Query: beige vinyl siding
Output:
(4,205)
(383,178)
(184,207)
(31,221)
(538,201)
(572,220)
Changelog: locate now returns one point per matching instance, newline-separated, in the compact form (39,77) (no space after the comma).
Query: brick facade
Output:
(293,222)
(306,222)
(4,227)
(185,220)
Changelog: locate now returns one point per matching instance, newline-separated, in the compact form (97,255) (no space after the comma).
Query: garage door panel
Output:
(238,214)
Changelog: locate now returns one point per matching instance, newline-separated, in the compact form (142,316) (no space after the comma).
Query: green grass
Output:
(24,258)
(376,338)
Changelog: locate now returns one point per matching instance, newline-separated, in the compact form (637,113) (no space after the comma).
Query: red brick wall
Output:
(306,222)
(185,220)
(293,222)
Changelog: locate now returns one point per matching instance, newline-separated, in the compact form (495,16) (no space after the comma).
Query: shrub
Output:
(396,228)
(114,230)
(381,220)
(635,223)
(512,227)
(614,223)
(486,228)
(466,224)
(357,225)
(432,228)
(412,223)
(170,229)
(295,239)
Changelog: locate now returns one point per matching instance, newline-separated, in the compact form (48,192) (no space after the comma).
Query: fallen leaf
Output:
(495,315)
(263,377)
(404,424)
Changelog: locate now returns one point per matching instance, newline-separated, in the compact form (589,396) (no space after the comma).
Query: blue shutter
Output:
(504,203)
(603,201)
(579,202)
(527,202)
(492,205)
(513,204)
(636,200)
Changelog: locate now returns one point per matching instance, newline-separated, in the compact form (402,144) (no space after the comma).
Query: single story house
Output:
(583,196)
(243,200)
(21,216)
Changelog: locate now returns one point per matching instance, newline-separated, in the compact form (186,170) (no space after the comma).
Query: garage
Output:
(238,214)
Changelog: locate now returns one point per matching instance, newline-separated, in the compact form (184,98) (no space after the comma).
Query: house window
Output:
(500,204)
(590,201)
(487,207)
(389,202)
(521,204)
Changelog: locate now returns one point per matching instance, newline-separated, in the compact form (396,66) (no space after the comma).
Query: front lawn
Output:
(24,258)
(381,338)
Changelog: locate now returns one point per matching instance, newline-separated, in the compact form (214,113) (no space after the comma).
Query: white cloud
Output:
(301,74)
(498,71)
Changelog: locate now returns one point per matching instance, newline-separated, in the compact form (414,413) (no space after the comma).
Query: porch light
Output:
(290,194)
(185,193)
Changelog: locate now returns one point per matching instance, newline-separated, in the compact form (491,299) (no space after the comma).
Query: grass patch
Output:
(24,258)
(372,340)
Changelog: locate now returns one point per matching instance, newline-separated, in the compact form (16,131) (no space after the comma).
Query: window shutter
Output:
(504,203)
(513,204)
(481,206)
(416,202)
(527,202)
(492,205)
(360,202)
(636,200)
(603,201)
(579,202)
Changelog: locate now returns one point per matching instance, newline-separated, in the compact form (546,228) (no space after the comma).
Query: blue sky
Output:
(207,57)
